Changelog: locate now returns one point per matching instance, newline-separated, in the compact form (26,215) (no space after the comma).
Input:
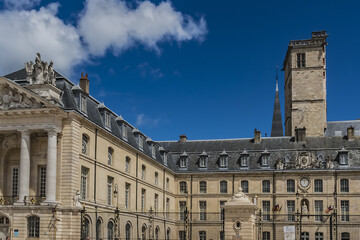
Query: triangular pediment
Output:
(14,96)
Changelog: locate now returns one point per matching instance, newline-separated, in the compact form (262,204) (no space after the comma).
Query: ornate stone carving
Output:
(41,72)
(10,98)
(237,224)
(239,195)
(279,164)
(76,199)
(11,141)
(306,160)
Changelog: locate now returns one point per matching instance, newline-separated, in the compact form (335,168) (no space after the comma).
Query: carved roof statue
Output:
(41,72)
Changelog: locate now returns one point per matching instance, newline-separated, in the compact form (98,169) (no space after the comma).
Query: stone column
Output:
(51,167)
(24,183)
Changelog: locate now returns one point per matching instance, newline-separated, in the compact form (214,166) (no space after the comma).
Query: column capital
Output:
(52,131)
(24,131)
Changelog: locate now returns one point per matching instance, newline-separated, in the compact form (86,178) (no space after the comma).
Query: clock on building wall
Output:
(304,182)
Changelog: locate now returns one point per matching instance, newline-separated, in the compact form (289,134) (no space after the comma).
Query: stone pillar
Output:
(24,183)
(51,167)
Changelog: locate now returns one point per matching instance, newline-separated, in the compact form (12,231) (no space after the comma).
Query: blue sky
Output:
(213,79)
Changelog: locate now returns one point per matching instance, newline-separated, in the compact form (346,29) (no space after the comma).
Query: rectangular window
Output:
(143,199)
(83,104)
(124,131)
(290,186)
(245,186)
(265,160)
(84,180)
(183,187)
(318,210)
(304,236)
(202,235)
(223,162)
(156,179)
(140,142)
(300,60)
(182,206)
(15,182)
(202,162)
(182,235)
(167,186)
(127,196)
(291,210)
(344,185)
(266,210)
(318,185)
(109,190)
(165,158)
(344,210)
(202,206)
(156,203)
(266,186)
(167,207)
(42,181)
(223,187)
(107,119)
(319,236)
(183,162)
(343,158)
(202,187)
(244,160)
(266,236)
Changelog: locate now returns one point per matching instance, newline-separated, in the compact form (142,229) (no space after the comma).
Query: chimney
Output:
(84,83)
(183,138)
(350,133)
(257,136)
(300,134)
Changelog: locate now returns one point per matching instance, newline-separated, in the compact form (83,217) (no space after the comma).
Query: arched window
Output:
(110,230)
(98,229)
(167,184)
(143,232)
(168,234)
(245,186)
(290,186)
(127,164)
(223,186)
(128,231)
(85,144)
(143,172)
(86,230)
(157,233)
(183,187)
(33,226)
(202,187)
(345,236)
(156,178)
(110,156)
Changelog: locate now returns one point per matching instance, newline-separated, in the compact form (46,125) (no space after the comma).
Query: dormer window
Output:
(203,160)
(244,159)
(223,159)
(165,158)
(139,139)
(107,119)
(151,146)
(183,160)
(164,155)
(265,158)
(124,131)
(343,157)
(83,106)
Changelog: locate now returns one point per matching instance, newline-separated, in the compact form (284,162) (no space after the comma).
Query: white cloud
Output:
(24,33)
(111,24)
(20,4)
(142,120)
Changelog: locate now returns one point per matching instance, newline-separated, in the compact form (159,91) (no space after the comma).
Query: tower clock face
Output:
(304,182)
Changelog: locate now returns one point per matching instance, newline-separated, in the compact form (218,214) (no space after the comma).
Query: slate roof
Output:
(278,147)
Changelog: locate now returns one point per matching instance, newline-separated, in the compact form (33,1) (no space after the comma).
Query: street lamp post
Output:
(151,224)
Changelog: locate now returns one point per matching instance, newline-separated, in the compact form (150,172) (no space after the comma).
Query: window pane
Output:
(266,186)
(223,187)
(245,186)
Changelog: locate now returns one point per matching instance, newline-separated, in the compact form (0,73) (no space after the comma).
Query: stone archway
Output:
(4,227)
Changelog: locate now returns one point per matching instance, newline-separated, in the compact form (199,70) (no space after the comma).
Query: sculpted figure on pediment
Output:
(41,72)
(12,99)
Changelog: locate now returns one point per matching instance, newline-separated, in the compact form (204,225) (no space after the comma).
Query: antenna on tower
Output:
(277,78)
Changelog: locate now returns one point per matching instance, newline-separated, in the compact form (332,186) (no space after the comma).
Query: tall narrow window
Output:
(344,210)
(128,231)
(291,210)
(223,186)
(343,158)
(153,150)
(156,202)
(266,210)
(168,233)
(110,181)
(183,187)
(203,160)
(318,210)
(266,186)
(143,172)
(83,104)
(127,196)
(244,159)
(98,228)
(167,207)
(300,60)
(107,119)
(318,185)
(202,235)
(33,226)
(124,131)
(42,181)
(202,186)
(156,178)
(110,230)
(245,186)
(182,206)
(344,185)
(85,143)
(290,186)
(140,141)
(84,179)
(266,236)
(110,156)
(183,160)
(127,164)
(223,161)
(165,156)
(167,187)
(143,199)
(157,233)
(222,203)
(202,206)
(182,235)
(265,160)
(15,182)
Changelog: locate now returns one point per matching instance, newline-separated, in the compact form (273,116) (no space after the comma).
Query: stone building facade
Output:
(73,169)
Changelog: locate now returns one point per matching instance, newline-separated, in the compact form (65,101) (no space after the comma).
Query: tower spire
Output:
(277,128)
